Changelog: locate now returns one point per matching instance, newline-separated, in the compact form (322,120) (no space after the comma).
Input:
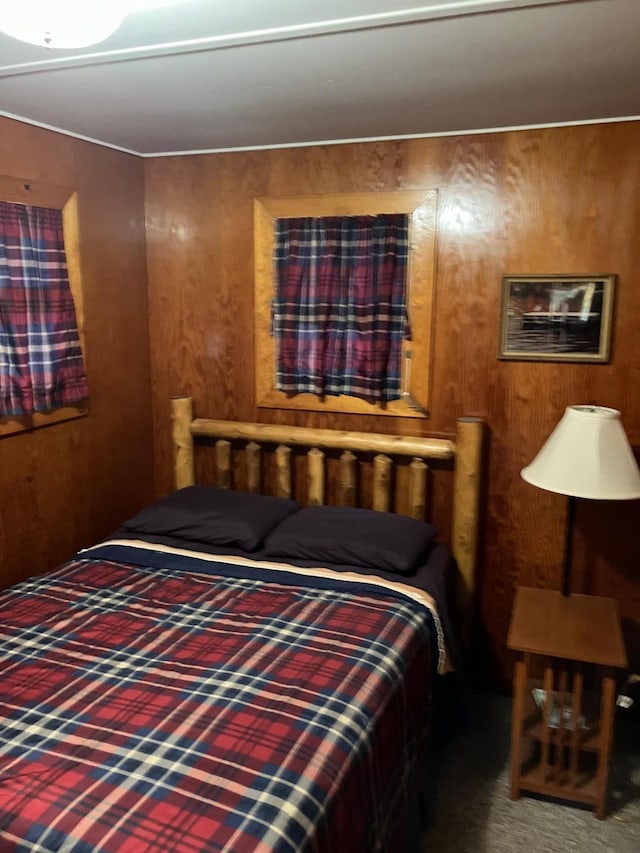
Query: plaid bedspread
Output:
(154,708)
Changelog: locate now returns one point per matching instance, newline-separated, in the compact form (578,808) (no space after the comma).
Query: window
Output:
(418,207)
(339,308)
(42,375)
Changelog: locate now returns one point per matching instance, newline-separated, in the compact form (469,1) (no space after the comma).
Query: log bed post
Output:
(181,417)
(382,472)
(283,471)
(347,479)
(252,455)
(466,511)
(315,477)
(418,497)
(223,463)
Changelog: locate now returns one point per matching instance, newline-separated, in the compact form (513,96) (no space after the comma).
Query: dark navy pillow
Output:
(360,537)
(215,516)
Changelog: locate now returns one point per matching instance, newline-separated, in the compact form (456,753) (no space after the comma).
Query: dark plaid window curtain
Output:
(41,364)
(339,309)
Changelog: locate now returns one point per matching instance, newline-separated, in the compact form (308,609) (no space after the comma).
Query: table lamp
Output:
(589,456)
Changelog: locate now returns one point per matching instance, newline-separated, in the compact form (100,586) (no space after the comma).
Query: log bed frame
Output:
(464,451)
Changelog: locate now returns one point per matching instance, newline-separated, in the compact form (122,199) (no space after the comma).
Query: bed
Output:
(232,671)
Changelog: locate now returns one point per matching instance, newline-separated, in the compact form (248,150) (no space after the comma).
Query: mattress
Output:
(156,698)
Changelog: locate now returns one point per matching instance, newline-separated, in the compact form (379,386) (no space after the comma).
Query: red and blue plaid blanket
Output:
(164,708)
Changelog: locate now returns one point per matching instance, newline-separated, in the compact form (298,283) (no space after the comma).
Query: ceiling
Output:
(208,75)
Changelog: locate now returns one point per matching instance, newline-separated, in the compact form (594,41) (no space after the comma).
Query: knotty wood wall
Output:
(561,200)
(65,486)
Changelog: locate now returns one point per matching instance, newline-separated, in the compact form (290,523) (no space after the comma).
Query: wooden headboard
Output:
(463,451)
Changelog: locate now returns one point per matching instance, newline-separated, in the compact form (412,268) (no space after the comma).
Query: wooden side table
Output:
(564,694)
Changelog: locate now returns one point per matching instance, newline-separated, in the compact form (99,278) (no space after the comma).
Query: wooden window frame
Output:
(40,194)
(420,206)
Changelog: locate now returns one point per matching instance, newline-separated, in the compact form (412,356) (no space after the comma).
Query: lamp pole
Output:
(568,545)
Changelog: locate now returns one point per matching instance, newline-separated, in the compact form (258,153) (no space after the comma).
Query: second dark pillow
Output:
(359,537)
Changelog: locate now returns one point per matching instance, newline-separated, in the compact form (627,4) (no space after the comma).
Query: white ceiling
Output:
(211,75)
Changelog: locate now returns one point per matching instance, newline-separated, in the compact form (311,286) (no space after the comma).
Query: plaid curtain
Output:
(339,309)
(41,364)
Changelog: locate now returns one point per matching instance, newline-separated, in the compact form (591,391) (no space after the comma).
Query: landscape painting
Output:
(556,318)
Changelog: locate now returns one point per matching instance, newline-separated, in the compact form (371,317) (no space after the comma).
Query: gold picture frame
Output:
(556,318)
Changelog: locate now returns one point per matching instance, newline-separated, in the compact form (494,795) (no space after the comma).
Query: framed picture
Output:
(556,317)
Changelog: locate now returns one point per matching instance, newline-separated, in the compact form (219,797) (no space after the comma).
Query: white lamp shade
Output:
(587,455)
(62,23)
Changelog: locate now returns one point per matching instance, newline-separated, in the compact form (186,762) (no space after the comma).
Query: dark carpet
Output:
(475,813)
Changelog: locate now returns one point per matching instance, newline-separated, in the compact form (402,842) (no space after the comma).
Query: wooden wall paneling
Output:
(111,209)
(67,485)
(540,201)
(39,155)
(199,254)
(360,167)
